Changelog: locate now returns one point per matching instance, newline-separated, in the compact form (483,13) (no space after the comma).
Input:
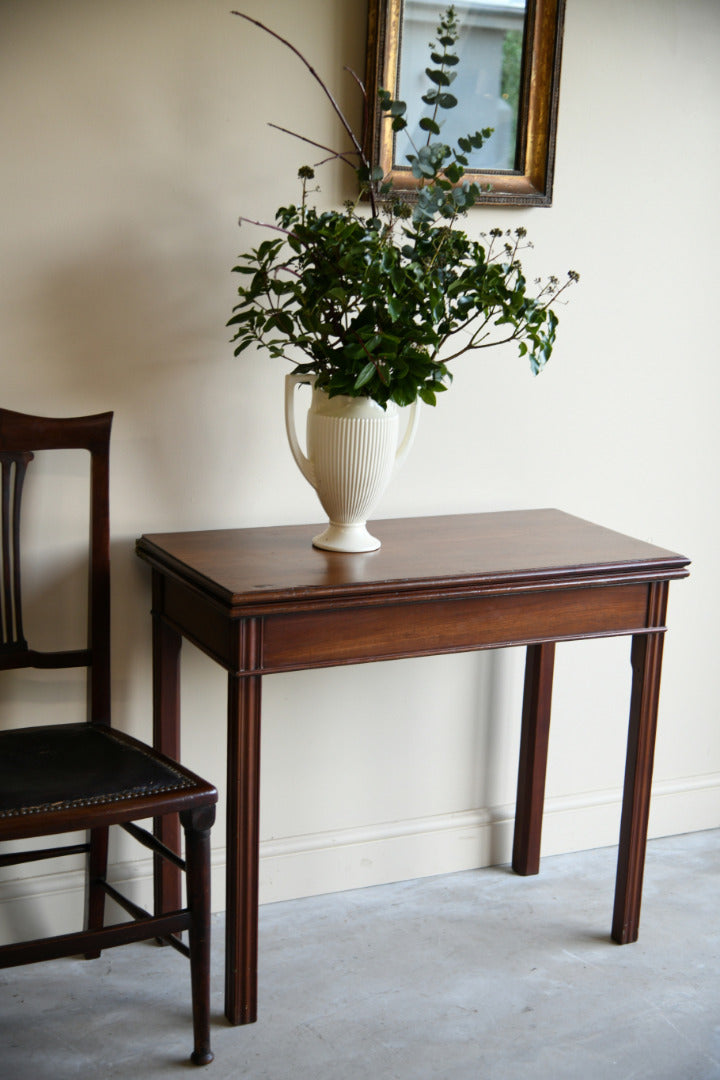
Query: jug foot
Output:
(346,538)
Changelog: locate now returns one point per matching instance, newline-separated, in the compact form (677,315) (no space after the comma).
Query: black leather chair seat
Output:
(43,768)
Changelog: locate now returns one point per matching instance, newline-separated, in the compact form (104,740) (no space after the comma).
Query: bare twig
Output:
(357,79)
(265,225)
(333,153)
(323,87)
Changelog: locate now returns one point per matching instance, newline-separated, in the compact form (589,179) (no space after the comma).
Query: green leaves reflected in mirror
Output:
(438,167)
(379,299)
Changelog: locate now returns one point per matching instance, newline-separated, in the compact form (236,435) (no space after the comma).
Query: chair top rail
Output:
(22,431)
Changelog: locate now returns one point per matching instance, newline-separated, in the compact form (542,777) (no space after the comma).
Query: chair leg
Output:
(197,824)
(94,892)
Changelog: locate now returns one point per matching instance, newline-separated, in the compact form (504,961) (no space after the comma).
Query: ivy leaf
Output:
(268,247)
(365,376)
(395,308)
(397,277)
(282,321)
(337,293)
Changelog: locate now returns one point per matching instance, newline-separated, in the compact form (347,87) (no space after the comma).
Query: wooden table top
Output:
(277,564)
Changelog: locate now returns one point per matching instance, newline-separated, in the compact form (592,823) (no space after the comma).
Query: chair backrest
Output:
(20,436)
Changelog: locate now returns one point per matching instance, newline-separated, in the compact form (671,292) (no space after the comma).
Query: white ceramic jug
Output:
(352,452)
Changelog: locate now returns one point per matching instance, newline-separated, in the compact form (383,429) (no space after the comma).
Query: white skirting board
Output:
(375,855)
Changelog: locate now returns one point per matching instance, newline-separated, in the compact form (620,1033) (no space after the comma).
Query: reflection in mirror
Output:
(507,79)
(488,76)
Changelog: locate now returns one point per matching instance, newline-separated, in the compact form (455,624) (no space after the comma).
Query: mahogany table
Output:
(260,601)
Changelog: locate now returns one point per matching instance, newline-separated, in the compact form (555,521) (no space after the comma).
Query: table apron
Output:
(326,637)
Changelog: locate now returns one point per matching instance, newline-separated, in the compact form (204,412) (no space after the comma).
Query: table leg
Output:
(243,839)
(537,700)
(166,644)
(646,663)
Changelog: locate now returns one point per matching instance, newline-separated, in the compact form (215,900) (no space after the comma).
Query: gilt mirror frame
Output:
(530,183)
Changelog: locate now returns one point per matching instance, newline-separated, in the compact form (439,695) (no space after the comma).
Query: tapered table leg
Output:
(647,664)
(243,838)
(537,701)
(197,825)
(166,644)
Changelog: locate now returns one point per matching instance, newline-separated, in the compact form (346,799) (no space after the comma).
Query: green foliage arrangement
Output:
(382,296)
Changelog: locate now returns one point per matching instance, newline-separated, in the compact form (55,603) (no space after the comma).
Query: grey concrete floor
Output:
(473,976)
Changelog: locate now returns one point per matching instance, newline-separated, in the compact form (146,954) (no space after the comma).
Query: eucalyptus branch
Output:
(437,102)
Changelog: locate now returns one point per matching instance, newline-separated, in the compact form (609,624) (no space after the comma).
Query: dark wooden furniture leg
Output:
(94,891)
(646,658)
(166,644)
(537,701)
(197,825)
(243,838)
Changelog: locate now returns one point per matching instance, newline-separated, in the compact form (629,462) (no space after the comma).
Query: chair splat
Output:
(14,465)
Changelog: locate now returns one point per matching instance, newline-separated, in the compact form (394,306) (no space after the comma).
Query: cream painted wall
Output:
(133,135)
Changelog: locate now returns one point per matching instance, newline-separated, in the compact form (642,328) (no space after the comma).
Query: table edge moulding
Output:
(263,600)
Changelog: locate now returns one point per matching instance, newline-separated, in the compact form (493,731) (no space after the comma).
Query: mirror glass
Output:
(488,84)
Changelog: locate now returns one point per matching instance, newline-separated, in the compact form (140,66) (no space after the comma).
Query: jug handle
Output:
(409,436)
(303,463)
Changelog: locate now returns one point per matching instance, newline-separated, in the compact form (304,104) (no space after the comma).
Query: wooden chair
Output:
(85,776)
